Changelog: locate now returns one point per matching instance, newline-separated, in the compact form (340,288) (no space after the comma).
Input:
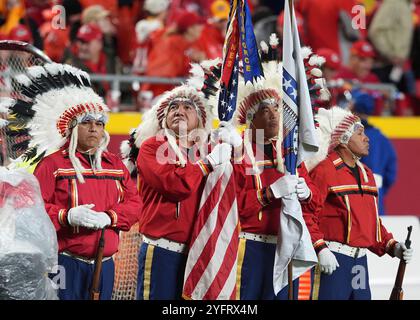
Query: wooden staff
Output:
(94,291)
(397,292)
(290,278)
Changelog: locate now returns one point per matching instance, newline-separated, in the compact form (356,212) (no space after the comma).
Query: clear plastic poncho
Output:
(28,240)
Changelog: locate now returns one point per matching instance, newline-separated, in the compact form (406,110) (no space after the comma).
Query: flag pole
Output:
(290,265)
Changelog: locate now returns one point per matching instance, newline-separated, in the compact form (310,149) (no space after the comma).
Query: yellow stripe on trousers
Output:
(241,254)
(148,272)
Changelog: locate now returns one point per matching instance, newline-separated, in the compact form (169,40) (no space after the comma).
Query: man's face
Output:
(361,66)
(193,32)
(267,119)
(182,114)
(89,50)
(90,135)
(359,143)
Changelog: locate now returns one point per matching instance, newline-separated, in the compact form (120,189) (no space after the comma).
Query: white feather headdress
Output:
(56,97)
(200,89)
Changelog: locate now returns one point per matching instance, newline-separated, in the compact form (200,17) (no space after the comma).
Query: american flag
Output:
(294,243)
(210,272)
(228,95)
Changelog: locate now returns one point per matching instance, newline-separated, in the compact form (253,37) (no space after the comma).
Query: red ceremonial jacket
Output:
(111,191)
(257,214)
(348,215)
(171,193)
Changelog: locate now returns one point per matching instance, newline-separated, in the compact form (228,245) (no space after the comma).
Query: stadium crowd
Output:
(365,42)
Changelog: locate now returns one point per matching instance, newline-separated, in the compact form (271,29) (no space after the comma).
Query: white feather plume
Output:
(3,123)
(23,80)
(316,72)
(5,104)
(316,60)
(274,40)
(36,72)
(264,46)
(306,52)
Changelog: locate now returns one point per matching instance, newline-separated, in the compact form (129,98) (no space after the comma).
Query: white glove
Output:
(81,216)
(302,189)
(327,261)
(401,251)
(284,186)
(221,153)
(100,220)
(227,133)
(85,217)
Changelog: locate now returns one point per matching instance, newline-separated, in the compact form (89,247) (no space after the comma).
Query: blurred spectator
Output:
(329,71)
(87,54)
(73,10)
(56,40)
(201,7)
(391,33)
(97,15)
(21,33)
(214,31)
(11,12)
(156,13)
(332,63)
(382,158)
(360,64)
(110,5)
(326,21)
(172,52)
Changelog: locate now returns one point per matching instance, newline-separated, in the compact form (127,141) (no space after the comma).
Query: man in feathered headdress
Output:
(172,165)
(261,180)
(348,223)
(84,187)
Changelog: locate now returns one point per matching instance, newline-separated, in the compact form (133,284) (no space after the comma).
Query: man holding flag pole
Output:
(240,30)
(294,252)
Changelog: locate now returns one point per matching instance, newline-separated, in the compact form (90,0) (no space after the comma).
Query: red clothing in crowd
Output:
(347,74)
(322,21)
(171,194)
(111,190)
(167,58)
(348,215)
(210,42)
(256,213)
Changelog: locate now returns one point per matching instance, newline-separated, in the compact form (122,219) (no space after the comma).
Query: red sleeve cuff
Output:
(390,246)
(114,217)
(319,245)
(263,197)
(206,168)
(62,217)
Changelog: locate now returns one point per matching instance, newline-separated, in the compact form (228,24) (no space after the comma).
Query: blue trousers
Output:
(255,272)
(350,281)
(161,273)
(78,279)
